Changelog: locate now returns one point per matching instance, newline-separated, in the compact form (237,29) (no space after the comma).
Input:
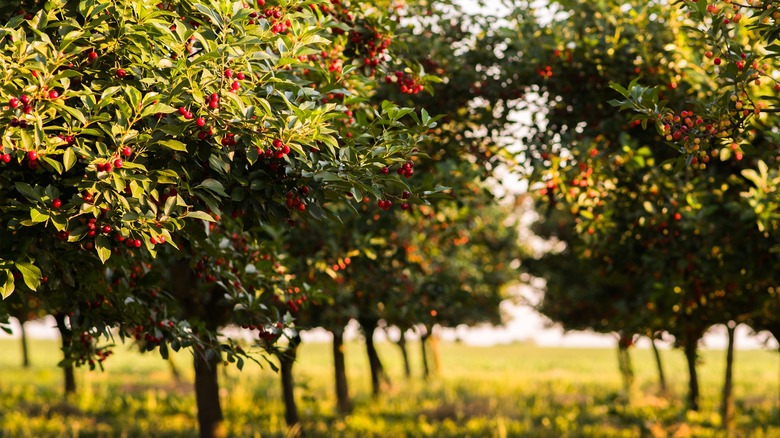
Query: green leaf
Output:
(38,215)
(215,17)
(213,186)
(174,144)
(28,192)
(60,222)
(68,158)
(200,215)
(75,113)
(8,284)
(326,176)
(619,88)
(157,108)
(103,248)
(56,165)
(30,273)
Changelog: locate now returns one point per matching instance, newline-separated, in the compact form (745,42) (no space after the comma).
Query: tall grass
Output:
(514,390)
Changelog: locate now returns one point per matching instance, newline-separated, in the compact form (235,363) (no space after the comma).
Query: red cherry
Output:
(228,73)
(13,102)
(121,73)
(6,158)
(25,99)
(32,155)
(404,206)
(53,94)
(385,170)
(200,121)
(118,163)
(137,243)
(56,203)
(716,61)
(277,143)
(406,195)
(106,229)
(127,151)
(92,56)
(241,76)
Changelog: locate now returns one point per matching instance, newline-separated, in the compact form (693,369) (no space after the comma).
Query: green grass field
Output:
(515,390)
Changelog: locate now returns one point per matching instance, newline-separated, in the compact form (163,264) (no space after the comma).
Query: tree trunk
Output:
(377,371)
(401,342)
(693,382)
(727,400)
(25,346)
(174,369)
(424,354)
(210,417)
(343,403)
(286,361)
(661,375)
(66,337)
(624,363)
(433,339)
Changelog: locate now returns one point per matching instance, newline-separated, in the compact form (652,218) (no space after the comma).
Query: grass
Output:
(515,390)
